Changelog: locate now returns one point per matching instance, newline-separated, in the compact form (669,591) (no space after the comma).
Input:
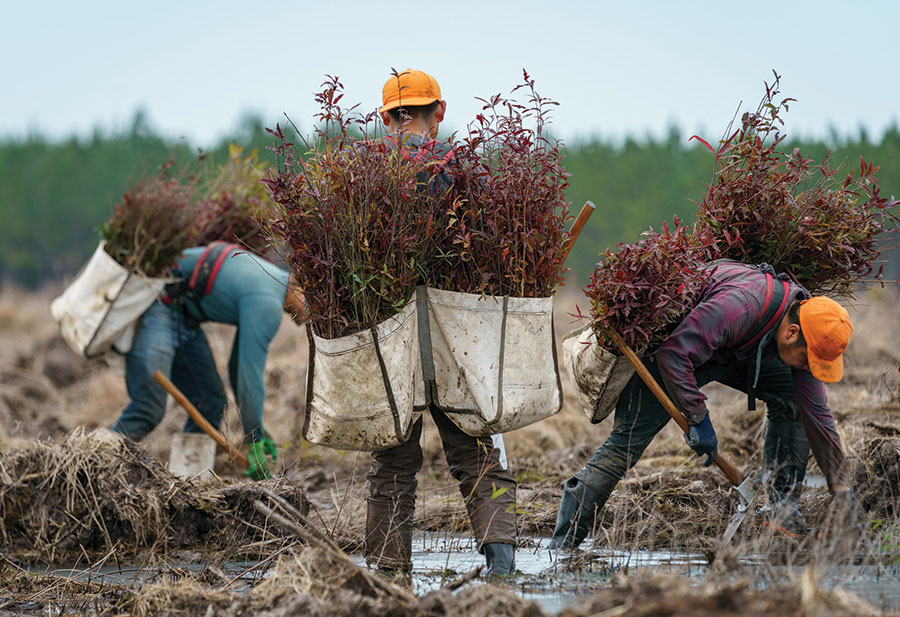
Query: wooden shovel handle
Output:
(202,422)
(586,211)
(732,472)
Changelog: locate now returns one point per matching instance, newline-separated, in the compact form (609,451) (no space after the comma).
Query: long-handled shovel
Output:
(202,422)
(745,486)
(586,211)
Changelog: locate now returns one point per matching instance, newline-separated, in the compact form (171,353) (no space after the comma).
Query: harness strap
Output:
(203,276)
(761,331)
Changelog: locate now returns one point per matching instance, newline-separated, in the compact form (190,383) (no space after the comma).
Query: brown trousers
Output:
(473,461)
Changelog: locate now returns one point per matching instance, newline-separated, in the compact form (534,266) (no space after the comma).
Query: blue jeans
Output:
(163,342)
(640,416)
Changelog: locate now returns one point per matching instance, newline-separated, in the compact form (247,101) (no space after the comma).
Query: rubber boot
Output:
(388,536)
(192,454)
(577,510)
(500,558)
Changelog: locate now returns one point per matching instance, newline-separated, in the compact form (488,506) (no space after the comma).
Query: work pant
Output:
(163,342)
(640,416)
(488,489)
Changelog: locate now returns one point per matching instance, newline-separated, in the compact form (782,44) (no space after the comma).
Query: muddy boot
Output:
(500,558)
(192,454)
(388,536)
(577,510)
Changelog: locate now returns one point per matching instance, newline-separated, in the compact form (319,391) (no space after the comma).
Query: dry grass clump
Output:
(92,492)
(86,490)
(877,477)
(658,595)
(152,224)
(22,591)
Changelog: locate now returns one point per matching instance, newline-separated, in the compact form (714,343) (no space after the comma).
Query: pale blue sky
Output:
(616,68)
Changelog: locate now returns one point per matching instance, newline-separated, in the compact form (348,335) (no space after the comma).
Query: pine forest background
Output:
(54,193)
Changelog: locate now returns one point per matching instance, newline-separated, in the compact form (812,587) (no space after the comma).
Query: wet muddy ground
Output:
(89,527)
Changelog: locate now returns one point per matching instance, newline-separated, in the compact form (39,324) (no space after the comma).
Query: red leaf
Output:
(703,141)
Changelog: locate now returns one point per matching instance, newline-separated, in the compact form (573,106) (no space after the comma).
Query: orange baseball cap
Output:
(826,327)
(411,87)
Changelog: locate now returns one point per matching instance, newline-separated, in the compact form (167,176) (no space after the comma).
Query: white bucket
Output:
(100,309)
(365,390)
(494,360)
(599,376)
(192,454)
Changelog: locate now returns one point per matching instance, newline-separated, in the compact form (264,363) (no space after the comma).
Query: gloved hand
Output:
(256,456)
(702,439)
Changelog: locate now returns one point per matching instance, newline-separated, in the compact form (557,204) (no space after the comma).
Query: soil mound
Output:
(95,492)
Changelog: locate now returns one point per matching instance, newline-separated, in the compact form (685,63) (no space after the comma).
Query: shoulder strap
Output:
(776,299)
(207,267)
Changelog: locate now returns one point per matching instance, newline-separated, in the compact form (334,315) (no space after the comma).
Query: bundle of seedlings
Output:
(149,228)
(92,492)
(356,223)
(638,292)
(806,218)
(236,205)
(152,224)
(641,290)
(763,206)
(504,227)
(501,253)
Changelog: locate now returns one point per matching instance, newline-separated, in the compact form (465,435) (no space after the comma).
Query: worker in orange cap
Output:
(412,109)
(754,331)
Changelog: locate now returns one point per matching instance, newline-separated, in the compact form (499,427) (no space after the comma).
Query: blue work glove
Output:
(702,440)
(256,456)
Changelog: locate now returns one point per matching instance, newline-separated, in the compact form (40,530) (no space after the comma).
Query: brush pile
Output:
(236,205)
(92,491)
(152,224)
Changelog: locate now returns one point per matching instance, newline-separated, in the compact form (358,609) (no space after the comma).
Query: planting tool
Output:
(746,488)
(577,226)
(202,422)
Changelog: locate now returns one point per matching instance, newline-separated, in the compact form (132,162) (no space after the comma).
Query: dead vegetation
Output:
(93,492)
(314,582)
(66,497)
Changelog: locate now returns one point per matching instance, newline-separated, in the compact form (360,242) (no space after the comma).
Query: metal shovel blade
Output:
(749,493)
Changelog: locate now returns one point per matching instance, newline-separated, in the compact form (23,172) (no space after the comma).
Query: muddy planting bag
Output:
(100,309)
(599,376)
(364,390)
(492,365)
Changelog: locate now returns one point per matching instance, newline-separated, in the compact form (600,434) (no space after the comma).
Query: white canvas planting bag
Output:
(100,309)
(490,363)
(599,376)
(364,391)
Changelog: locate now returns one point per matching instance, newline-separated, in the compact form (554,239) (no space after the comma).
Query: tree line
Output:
(54,194)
